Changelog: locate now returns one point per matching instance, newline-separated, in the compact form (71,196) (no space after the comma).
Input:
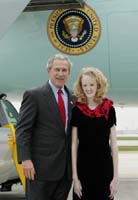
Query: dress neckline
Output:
(100,110)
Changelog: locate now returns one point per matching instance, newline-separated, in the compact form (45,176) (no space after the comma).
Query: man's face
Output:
(59,72)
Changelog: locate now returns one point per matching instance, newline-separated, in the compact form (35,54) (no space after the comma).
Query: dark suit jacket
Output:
(40,134)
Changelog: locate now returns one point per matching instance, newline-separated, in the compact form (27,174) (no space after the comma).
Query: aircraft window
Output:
(3,119)
(11,112)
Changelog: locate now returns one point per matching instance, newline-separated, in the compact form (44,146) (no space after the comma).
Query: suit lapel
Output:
(70,104)
(52,103)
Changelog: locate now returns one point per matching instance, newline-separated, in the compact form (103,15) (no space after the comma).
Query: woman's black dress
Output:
(94,164)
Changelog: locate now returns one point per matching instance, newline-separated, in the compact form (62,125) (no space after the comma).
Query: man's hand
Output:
(28,169)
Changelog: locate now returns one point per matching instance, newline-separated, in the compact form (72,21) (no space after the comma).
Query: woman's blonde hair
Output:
(101,85)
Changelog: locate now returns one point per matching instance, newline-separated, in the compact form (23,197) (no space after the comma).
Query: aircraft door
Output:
(8,121)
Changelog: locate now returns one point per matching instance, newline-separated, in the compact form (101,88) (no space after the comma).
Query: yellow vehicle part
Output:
(12,144)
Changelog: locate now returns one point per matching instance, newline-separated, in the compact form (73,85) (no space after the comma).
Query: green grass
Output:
(128,148)
(127,138)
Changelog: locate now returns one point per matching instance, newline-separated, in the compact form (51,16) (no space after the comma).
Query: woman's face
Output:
(89,86)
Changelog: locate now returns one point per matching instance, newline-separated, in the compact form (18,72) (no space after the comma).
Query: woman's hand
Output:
(113,187)
(77,187)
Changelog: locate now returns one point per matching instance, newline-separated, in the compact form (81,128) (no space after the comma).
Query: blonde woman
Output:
(94,146)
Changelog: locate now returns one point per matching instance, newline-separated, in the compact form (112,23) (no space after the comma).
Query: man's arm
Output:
(24,129)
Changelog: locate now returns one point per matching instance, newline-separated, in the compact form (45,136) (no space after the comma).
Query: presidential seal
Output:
(74,31)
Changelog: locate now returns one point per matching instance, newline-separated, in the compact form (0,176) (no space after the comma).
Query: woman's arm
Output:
(114,148)
(74,152)
(76,182)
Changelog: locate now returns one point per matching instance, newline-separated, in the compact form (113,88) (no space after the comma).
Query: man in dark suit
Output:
(43,140)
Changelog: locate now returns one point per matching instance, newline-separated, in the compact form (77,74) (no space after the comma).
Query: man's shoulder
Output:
(72,97)
(36,90)
(68,90)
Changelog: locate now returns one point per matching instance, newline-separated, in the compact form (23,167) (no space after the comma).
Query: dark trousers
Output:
(48,190)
